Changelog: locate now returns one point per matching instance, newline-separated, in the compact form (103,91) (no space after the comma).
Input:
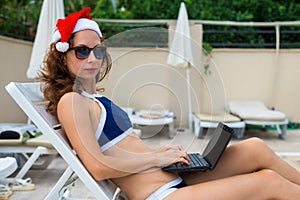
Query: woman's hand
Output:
(170,154)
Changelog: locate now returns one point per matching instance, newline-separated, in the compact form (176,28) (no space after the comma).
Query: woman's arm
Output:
(74,115)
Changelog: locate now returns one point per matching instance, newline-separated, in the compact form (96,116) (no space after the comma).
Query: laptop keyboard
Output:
(213,151)
(196,162)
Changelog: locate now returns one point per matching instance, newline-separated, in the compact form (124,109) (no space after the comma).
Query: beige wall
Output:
(262,75)
(14,60)
(140,78)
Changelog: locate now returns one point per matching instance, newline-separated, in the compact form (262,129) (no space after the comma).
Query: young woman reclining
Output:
(101,133)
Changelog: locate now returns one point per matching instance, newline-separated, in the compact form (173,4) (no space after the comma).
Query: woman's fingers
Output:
(172,154)
(184,159)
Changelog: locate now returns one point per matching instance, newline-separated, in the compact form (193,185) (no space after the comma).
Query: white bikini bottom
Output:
(167,189)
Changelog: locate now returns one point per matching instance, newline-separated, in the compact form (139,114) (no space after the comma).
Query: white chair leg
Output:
(196,123)
(117,193)
(65,191)
(171,130)
(55,191)
(30,162)
(283,131)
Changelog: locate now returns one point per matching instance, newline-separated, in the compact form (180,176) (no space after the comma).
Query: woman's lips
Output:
(91,69)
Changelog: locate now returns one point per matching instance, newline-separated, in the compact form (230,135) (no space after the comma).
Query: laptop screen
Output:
(217,144)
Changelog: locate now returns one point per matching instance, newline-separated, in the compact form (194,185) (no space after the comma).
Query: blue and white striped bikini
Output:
(167,189)
(114,125)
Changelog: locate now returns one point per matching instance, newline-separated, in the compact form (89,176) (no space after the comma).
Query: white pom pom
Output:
(62,46)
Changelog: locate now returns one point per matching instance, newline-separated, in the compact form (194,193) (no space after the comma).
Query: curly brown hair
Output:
(57,78)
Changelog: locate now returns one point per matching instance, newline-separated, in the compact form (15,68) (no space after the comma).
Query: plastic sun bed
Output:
(204,120)
(256,113)
(37,151)
(154,118)
(7,166)
(30,98)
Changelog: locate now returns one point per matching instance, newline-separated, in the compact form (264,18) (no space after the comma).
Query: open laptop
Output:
(211,154)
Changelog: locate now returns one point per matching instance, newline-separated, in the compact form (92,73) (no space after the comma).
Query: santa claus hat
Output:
(75,22)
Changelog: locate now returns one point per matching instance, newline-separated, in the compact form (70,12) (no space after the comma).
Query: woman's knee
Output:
(255,142)
(269,174)
(250,144)
(272,179)
(255,149)
(255,145)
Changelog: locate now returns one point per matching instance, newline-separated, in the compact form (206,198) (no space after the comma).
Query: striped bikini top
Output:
(114,123)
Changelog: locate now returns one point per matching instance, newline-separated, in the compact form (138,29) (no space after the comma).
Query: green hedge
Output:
(19,18)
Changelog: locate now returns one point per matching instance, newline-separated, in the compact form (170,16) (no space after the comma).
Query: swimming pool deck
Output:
(45,179)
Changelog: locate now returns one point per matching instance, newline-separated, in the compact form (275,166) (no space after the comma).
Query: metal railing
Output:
(137,33)
(256,28)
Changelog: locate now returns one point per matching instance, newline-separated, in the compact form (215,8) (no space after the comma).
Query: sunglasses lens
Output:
(99,52)
(82,52)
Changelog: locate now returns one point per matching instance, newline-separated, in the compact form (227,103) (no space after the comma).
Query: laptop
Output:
(211,155)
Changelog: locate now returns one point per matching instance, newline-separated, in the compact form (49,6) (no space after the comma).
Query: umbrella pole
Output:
(189,95)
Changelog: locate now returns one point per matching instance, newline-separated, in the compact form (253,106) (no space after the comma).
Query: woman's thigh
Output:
(265,184)
(243,157)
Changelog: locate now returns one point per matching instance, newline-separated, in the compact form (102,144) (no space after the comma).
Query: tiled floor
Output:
(45,179)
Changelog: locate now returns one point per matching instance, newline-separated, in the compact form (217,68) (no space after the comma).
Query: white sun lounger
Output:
(7,166)
(256,113)
(30,98)
(154,118)
(205,120)
(37,151)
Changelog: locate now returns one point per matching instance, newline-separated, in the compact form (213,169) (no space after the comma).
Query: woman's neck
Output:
(88,86)
(90,90)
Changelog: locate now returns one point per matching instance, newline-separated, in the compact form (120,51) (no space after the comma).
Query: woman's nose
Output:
(91,57)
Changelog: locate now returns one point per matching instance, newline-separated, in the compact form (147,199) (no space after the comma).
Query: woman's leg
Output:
(245,157)
(265,184)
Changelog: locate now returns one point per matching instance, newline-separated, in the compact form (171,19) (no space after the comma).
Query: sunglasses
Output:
(83,52)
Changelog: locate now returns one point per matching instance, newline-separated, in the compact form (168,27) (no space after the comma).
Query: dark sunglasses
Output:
(83,52)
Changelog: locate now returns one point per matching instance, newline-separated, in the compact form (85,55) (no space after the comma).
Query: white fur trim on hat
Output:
(62,46)
(87,24)
(82,24)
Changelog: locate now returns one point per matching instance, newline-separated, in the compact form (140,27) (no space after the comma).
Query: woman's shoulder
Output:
(70,96)
(72,102)
(70,99)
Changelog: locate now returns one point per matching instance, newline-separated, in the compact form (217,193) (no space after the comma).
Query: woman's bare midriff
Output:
(141,185)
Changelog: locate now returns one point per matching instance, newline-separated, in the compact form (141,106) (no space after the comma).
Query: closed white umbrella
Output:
(51,11)
(180,54)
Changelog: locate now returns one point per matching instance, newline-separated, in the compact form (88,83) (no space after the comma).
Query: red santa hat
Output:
(75,22)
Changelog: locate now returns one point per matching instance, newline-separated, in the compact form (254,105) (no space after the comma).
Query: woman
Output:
(101,133)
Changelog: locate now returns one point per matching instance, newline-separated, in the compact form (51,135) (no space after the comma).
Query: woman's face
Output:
(84,68)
